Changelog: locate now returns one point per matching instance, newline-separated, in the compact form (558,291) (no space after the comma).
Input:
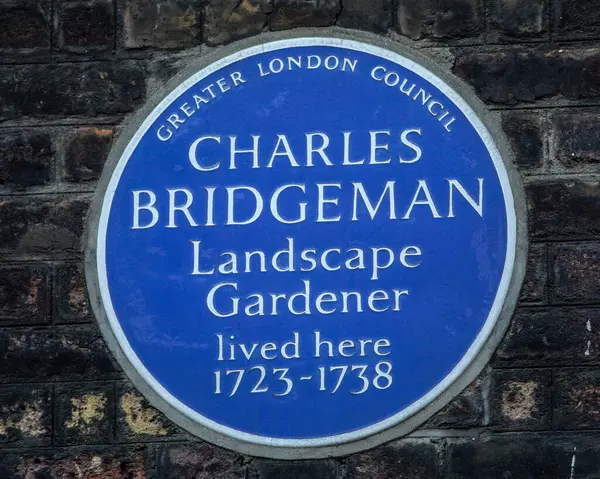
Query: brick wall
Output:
(71,71)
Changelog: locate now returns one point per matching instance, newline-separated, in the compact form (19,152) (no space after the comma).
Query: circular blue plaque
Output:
(305,243)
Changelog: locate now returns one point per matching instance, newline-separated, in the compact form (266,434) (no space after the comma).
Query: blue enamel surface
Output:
(162,307)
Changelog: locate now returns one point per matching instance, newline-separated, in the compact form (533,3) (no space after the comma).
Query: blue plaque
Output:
(306,246)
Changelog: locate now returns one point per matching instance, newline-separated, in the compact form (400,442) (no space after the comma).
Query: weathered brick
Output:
(137,421)
(525,132)
(509,457)
(576,20)
(521,399)
(228,20)
(26,159)
(575,273)
(200,460)
(70,297)
(395,460)
(523,76)
(25,416)
(65,353)
(373,15)
(324,469)
(116,462)
(557,336)
(578,74)
(535,285)
(303,13)
(85,24)
(517,19)
(86,152)
(25,295)
(577,399)
(577,140)
(564,210)
(508,77)
(162,23)
(25,24)
(464,411)
(439,19)
(41,226)
(84,413)
(585,451)
(87,89)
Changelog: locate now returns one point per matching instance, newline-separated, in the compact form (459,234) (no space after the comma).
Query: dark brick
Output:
(575,273)
(544,337)
(303,13)
(116,462)
(585,450)
(439,19)
(137,421)
(201,461)
(577,140)
(84,413)
(464,411)
(517,19)
(509,77)
(86,153)
(324,469)
(85,24)
(70,297)
(509,457)
(577,399)
(40,226)
(564,210)
(525,132)
(25,416)
(25,24)
(65,353)
(87,89)
(396,460)
(517,76)
(373,15)
(579,74)
(576,20)
(228,20)
(521,399)
(26,159)
(535,285)
(162,23)
(24,295)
